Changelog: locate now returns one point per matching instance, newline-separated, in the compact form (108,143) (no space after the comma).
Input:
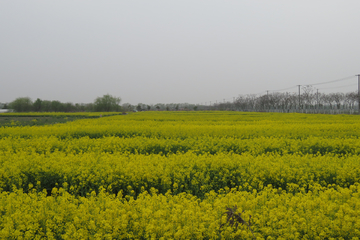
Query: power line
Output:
(314,84)
(339,86)
(337,80)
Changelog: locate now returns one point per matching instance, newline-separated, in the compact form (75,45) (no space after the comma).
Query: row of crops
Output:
(45,118)
(182,175)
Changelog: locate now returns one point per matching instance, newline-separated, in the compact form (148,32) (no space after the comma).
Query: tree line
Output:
(106,103)
(159,107)
(308,99)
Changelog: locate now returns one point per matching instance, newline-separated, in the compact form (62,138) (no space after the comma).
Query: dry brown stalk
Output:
(234,218)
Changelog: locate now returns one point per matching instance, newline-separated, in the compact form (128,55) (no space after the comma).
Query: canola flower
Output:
(172,175)
(188,172)
(275,214)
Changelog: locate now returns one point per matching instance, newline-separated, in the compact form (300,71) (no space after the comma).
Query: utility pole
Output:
(299,95)
(358,92)
(317,98)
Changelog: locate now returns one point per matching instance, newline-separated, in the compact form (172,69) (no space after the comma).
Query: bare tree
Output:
(338,98)
(308,96)
(351,98)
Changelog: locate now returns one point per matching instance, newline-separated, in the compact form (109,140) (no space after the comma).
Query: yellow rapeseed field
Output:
(182,175)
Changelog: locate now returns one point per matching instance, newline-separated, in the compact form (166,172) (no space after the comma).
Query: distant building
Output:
(6,110)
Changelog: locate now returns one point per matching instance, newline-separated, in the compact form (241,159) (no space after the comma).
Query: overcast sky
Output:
(174,51)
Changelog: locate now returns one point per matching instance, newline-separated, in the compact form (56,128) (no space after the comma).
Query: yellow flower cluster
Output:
(183,172)
(174,175)
(271,214)
(180,126)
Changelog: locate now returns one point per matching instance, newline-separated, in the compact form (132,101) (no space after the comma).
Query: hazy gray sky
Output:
(174,51)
